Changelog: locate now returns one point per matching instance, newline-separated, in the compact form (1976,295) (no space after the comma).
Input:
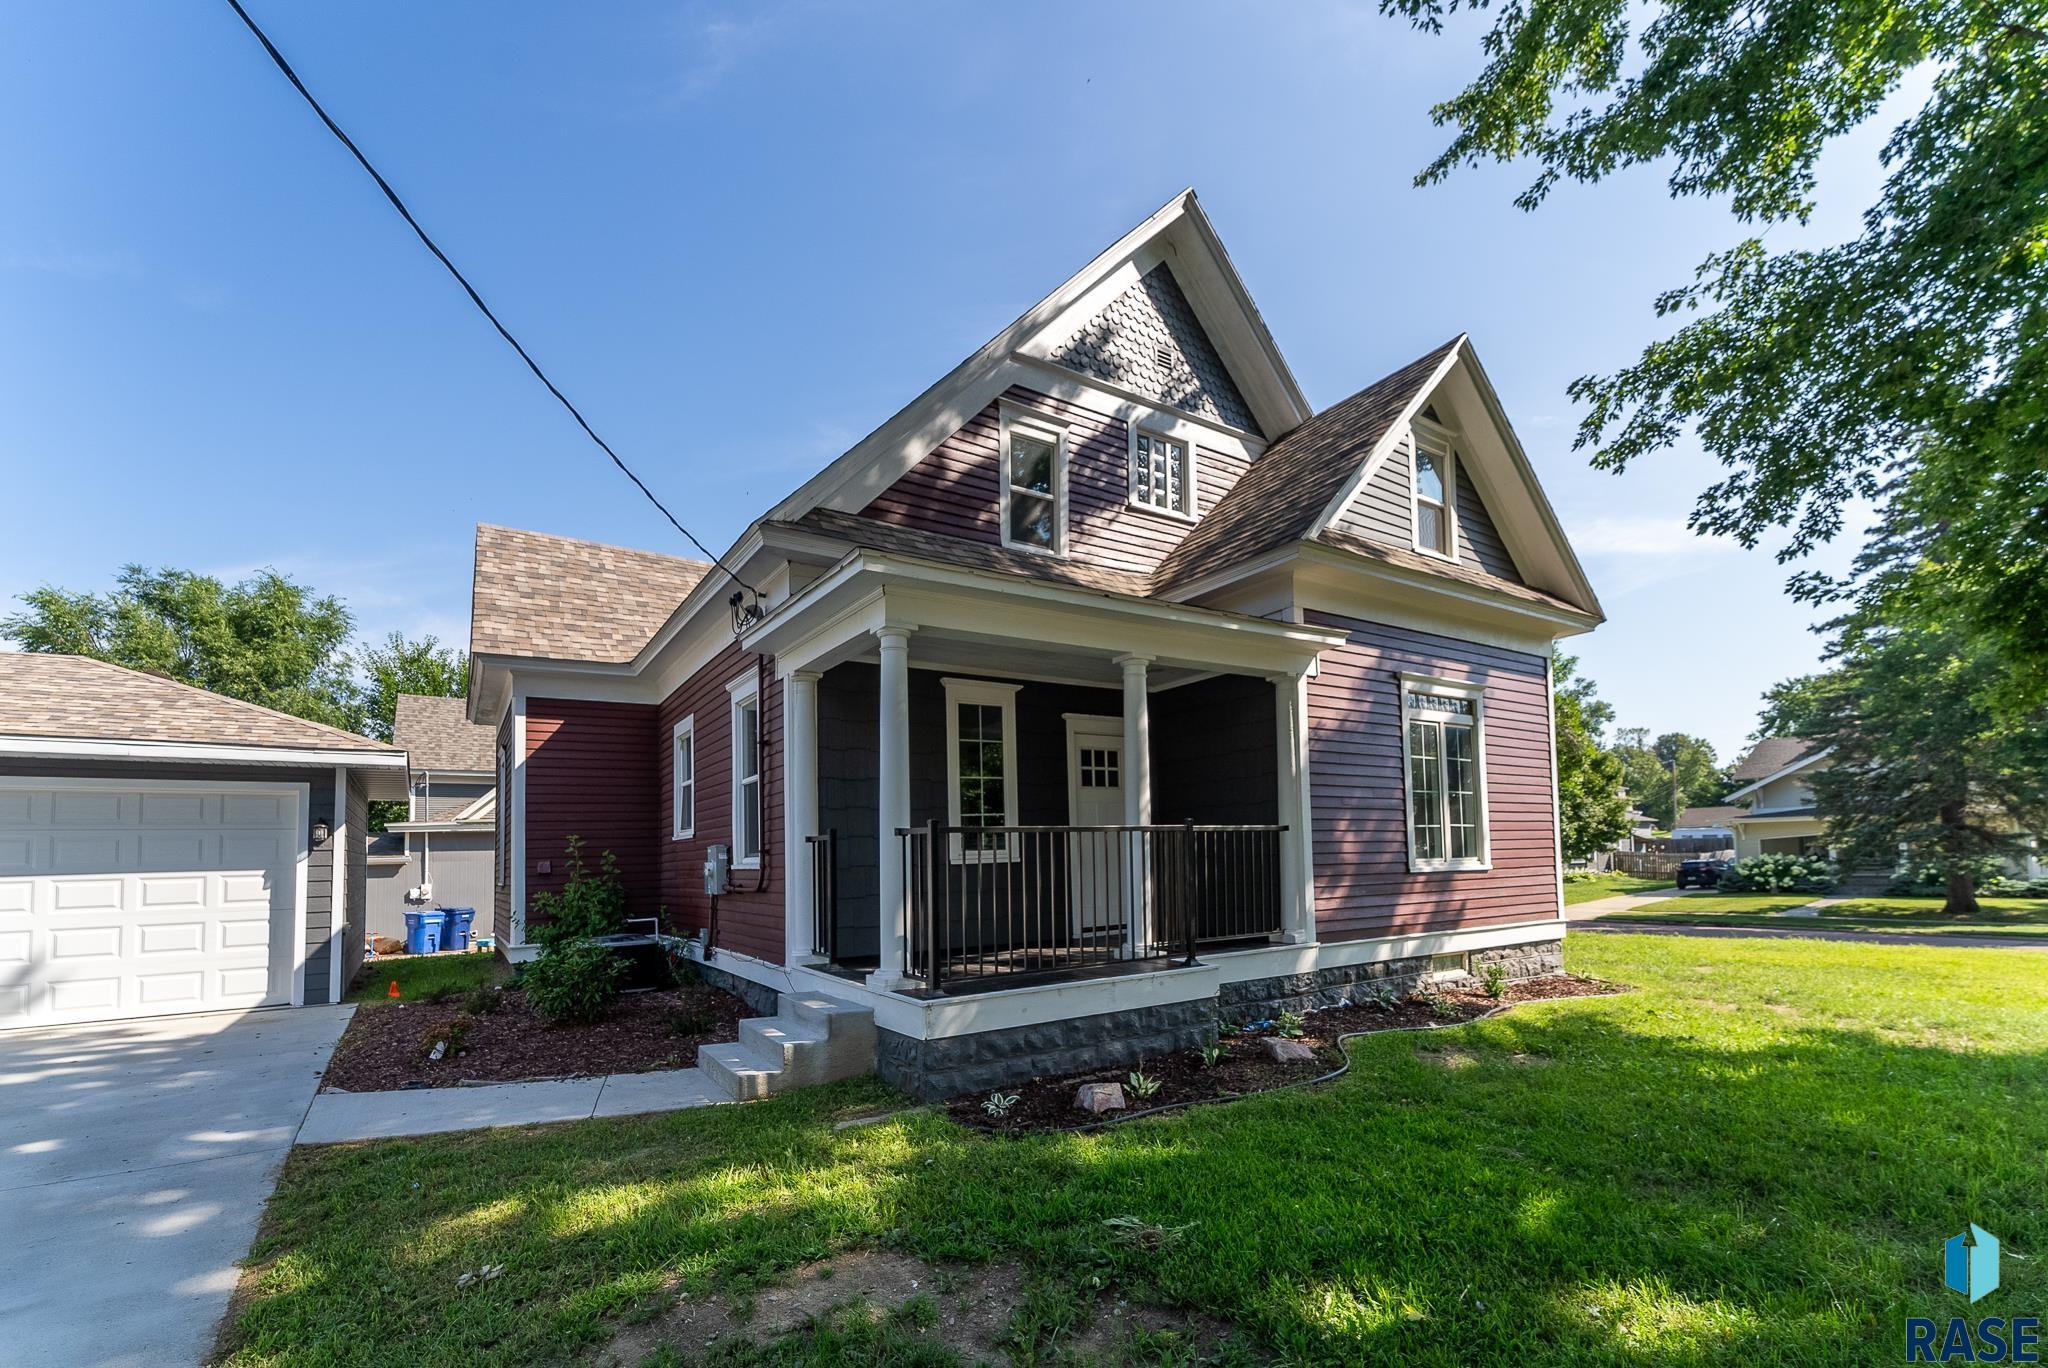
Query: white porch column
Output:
(1137,774)
(893,794)
(1297,843)
(800,812)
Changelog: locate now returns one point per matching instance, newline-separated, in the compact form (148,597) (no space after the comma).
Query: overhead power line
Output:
(470,290)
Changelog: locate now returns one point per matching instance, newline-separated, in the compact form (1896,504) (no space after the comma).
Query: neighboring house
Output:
(1706,823)
(165,849)
(1104,690)
(441,854)
(1772,813)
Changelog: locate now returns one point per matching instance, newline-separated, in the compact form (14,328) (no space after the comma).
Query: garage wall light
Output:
(319,833)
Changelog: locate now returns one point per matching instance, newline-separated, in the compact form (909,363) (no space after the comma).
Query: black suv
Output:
(1700,873)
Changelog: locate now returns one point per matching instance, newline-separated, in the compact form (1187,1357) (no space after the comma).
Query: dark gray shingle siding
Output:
(1122,345)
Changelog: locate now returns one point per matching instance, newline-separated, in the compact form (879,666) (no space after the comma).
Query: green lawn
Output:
(1753,1159)
(1998,917)
(1607,885)
(419,975)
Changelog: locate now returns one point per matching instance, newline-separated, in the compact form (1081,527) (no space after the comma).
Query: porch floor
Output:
(991,971)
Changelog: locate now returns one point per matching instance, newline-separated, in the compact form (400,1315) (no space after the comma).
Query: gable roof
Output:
(438,735)
(1279,499)
(1716,815)
(76,697)
(557,598)
(1770,755)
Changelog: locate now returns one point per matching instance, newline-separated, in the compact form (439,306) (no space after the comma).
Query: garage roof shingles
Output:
(438,735)
(78,698)
(557,598)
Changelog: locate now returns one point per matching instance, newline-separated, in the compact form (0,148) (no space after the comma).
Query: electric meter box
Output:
(717,869)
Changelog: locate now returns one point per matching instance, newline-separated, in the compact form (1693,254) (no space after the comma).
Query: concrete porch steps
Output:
(811,1039)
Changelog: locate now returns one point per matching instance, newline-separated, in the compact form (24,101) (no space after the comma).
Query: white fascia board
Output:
(66,747)
(1112,400)
(1803,762)
(1280,406)
(449,825)
(1389,439)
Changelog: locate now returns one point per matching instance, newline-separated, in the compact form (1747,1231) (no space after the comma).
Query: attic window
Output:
(1162,473)
(1435,471)
(1034,490)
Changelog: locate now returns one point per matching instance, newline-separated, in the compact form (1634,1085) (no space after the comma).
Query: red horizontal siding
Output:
(749,919)
(590,772)
(955,490)
(1363,884)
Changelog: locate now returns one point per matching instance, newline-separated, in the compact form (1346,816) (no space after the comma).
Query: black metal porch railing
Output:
(824,894)
(1001,903)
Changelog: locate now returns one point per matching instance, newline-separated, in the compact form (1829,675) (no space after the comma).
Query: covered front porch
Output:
(988,792)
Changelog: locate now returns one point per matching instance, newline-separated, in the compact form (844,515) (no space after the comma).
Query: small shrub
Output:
(1929,878)
(573,983)
(1214,1054)
(691,1021)
(453,1034)
(998,1103)
(1496,982)
(684,971)
(1432,997)
(1141,1084)
(586,905)
(482,1001)
(1379,997)
(1778,874)
(2016,888)
(1291,1025)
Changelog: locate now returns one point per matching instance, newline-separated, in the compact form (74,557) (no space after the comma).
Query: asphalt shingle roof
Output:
(438,735)
(1769,756)
(558,598)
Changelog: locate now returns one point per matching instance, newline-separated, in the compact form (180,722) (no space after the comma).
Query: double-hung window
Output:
(1443,724)
(683,783)
(1162,473)
(981,768)
(1034,493)
(1435,476)
(746,771)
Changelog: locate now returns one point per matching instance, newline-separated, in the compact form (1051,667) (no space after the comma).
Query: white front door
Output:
(120,900)
(1098,862)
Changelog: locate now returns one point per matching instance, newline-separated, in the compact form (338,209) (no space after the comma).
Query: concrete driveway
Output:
(135,1158)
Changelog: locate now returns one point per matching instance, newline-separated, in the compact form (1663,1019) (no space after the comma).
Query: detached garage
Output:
(164,849)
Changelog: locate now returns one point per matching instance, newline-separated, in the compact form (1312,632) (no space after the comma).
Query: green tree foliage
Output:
(1791,707)
(1924,755)
(265,640)
(1592,808)
(1908,363)
(1646,772)
(402,666)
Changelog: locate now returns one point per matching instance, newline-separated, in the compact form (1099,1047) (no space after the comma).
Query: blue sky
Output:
(740,236)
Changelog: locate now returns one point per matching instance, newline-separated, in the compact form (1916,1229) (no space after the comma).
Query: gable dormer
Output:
(1423,497)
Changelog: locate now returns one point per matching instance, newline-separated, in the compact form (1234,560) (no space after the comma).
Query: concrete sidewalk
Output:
(1811,931)
(339,1116)
(1626,902)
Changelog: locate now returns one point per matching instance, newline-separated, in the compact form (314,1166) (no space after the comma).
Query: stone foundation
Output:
(1251,999)
(1533,960)
(764,1001)
(930,1070)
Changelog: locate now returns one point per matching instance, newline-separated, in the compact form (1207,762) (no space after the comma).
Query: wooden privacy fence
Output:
(1660,864)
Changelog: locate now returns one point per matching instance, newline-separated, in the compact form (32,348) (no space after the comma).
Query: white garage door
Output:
(134,900)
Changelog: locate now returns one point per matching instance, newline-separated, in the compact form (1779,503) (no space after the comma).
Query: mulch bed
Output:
(381,1049)
(1048,1103)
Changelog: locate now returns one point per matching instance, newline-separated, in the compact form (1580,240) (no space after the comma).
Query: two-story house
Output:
(1105,690)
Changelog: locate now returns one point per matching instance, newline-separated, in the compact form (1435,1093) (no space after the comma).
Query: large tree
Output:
(402,666)
(1647,771)
(1592,807)
(1908,363)
(265,639)
(1924,757)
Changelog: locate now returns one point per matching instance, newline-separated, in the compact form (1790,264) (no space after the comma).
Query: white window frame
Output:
(986,693)
(1189,482)
(1035,424)
(503,803)
(684,812)
(1476,694)
(1443,444)
(745,690)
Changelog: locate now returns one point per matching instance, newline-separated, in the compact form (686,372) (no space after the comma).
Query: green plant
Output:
(1142,1084)
(445,993)
(1291,1025)
(1930,877)
(998,1103)
(1214,1053)
(1432,997)
(1496,982)
(573,983)
(482,1000)
(1778,874)
(691,1021)
(586,905)
(451,1035)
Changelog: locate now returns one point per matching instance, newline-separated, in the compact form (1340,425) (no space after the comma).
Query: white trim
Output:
(1190,484)
(518,829)
(1476,694)
(1388,441)
(85,748)
(1445,449)
(742,691)
(679,829)
(1801,763)
(337,915)
(1556,798)
(985,693)
(1036,425)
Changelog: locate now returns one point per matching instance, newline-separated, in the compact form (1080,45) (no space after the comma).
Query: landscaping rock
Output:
(1100,1097)
(1281,1050)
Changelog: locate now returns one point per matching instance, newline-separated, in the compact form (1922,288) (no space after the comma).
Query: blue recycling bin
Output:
(456,936)
(424,927)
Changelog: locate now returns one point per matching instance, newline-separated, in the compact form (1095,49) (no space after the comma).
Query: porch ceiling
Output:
(940,648)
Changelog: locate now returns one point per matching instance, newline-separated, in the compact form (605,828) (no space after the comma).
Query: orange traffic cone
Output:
(392,992)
